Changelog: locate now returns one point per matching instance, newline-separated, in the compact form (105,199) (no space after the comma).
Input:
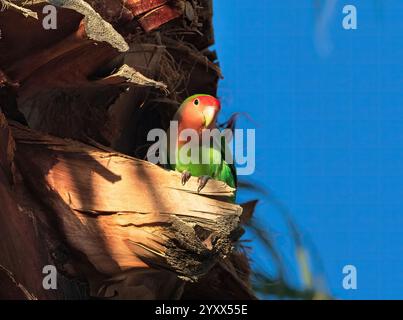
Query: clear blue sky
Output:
(328,107)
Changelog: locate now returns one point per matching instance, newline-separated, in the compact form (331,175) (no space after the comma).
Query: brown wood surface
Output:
(113,225)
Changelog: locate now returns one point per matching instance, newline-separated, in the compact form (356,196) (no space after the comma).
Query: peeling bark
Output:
(74,191)
(124,214)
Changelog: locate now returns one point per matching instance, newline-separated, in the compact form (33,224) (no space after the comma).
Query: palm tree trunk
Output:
(74,192)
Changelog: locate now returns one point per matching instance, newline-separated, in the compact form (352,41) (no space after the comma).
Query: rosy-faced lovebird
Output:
(200,112)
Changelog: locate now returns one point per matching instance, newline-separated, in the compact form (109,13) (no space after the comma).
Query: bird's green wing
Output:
(228,173)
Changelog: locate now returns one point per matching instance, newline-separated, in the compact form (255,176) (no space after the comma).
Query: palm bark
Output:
(73,188)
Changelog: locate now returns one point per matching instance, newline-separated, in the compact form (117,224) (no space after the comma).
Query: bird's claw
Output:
(202,182)
(185,177)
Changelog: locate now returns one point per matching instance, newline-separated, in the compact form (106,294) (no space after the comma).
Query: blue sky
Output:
(328,111)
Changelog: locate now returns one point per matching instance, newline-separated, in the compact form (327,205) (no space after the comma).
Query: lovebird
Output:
(200,112)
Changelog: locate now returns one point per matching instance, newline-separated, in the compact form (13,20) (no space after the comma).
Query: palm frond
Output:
(4,5)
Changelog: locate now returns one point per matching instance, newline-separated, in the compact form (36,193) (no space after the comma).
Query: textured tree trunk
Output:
(76,106)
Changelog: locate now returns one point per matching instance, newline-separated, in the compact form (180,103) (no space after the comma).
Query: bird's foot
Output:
(202,182)
(185,177)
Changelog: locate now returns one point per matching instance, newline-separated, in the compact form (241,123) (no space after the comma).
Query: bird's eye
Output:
(196,102)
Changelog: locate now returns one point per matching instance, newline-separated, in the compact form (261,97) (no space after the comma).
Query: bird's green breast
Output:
(213,165)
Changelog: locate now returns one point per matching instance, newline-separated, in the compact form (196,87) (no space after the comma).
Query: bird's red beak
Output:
(210,113)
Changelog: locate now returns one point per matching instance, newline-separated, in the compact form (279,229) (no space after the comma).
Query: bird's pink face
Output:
(198,112)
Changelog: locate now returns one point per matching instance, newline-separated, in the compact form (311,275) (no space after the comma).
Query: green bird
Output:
(199,112)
